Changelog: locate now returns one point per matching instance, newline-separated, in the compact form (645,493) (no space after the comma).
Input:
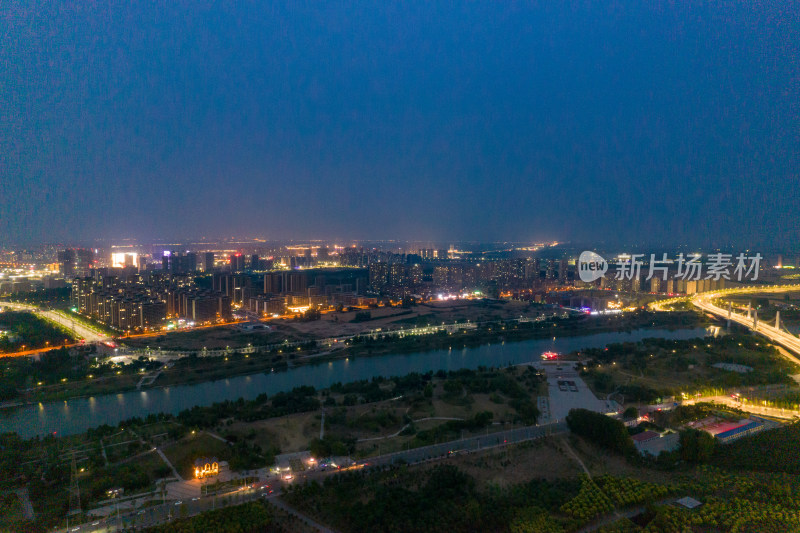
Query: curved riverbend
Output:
(78,415)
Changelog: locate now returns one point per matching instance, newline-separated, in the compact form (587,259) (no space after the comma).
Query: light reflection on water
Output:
(83,413)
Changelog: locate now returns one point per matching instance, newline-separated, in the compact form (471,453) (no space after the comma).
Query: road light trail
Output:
(80,330)
(703,301)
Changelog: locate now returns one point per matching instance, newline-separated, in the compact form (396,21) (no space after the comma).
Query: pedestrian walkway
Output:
(27,508)
(169,464)
(149,378)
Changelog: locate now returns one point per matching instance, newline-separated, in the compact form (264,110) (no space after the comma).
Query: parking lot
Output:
(568,391)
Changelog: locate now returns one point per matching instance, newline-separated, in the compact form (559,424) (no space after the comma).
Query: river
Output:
(78,415)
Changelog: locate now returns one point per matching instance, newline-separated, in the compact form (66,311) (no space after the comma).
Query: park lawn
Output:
(157,428)
(120,452)
(152,464)
(119,437)
(184,452)
(135,473)
(689,368)
(383,446)
(294,432)
(502,411)
(401,442)
(598,461)
(456,408)
(449,407)
(364,421)
(291,433)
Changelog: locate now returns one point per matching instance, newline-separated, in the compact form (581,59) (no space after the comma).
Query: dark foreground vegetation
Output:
(20,329)
(445,498)
(254,517)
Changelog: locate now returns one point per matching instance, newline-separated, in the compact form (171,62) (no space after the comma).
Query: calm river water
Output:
(78,415)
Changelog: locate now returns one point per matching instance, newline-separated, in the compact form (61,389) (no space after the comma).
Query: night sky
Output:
(622,122)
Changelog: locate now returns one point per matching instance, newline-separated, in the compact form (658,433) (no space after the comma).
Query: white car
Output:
(178,502)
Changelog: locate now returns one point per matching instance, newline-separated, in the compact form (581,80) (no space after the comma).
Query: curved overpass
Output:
(789,341)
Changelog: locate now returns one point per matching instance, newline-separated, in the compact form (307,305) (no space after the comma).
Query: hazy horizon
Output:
(651,123)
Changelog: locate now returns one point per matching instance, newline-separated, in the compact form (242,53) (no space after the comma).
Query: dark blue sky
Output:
(426,120)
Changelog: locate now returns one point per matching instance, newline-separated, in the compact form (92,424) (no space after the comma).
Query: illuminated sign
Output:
(205,468)
(123,259)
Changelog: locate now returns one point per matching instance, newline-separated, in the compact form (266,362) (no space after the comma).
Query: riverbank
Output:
(193,370)
(79,414)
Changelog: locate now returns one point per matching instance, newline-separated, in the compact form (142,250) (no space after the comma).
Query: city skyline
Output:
(417,266)
(647,123)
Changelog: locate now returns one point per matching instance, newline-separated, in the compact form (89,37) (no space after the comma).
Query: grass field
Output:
(671,367)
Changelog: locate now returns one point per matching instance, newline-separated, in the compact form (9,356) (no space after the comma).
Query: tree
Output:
(452,387)
(696,446)
(631,412)
(527,411)
(600,429)
(603,382)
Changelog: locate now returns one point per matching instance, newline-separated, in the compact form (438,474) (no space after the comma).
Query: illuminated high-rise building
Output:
(76,262)
(208,261)
(397,274)
(237,262)
(177,263)
(655,284)
(378,275)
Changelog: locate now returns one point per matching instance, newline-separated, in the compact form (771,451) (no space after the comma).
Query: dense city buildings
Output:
(131,301)
(76,261)
(179,263)
(208,261)
(138,287)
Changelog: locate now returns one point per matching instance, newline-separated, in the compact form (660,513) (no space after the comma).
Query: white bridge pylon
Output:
(749,319)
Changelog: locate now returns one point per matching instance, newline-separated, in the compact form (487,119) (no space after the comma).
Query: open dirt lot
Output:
(543,458)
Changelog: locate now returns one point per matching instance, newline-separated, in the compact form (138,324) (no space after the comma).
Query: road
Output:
(790,342)
(163,512)
(79,330)
(469,444)
(37,351)
(747,406)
